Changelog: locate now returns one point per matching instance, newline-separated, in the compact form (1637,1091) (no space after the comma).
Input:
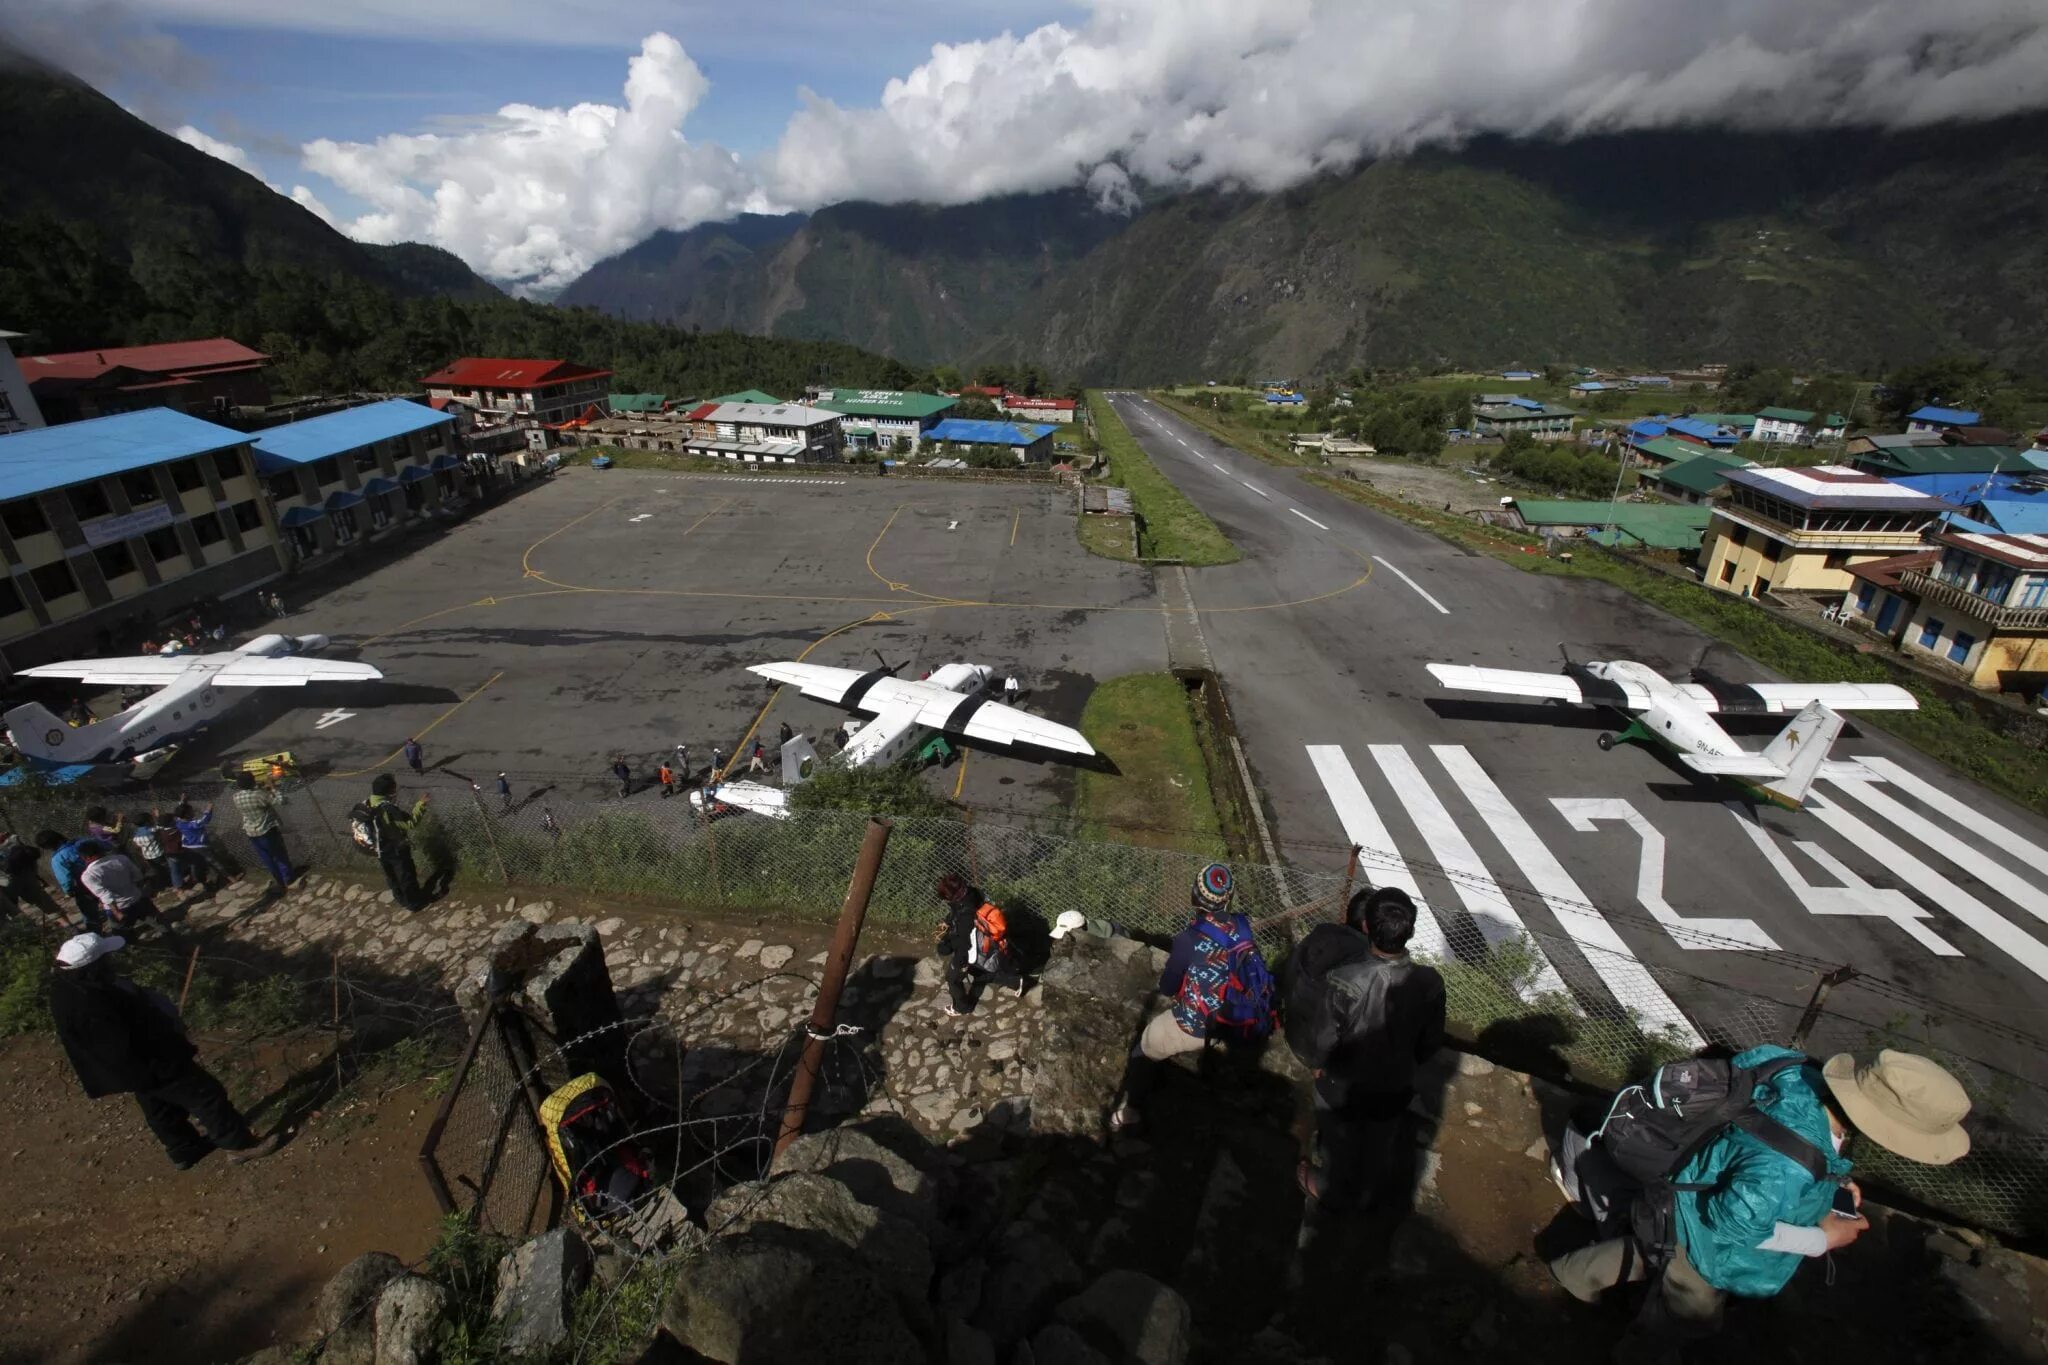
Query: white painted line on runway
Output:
(1492,913)
(2023,947)
(1583,815)
(1260,491)
(1851,896)
(1606,952)
(1307,518)
(2033,855)
(1379,862)
(1413,584)
(2006,882)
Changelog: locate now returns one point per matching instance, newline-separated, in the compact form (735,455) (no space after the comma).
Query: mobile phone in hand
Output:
(1845,1203)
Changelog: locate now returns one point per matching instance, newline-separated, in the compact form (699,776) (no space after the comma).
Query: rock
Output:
(1146,1321)
(774,1294)
(894,1248)
(408,1316)
(1030,1274)
(968,1345)
(927,972)
(959,1291)
(934,1108)
(537,1284)
(776,956)
(346,1312)
(749,948)
(559,971)
(885,1166)
(1057,1344)
(608,927)
(1094,1002)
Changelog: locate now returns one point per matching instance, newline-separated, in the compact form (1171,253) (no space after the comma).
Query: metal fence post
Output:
(824,1014)
(1814,1006)
(711,843)
(484,818)
(1350,876)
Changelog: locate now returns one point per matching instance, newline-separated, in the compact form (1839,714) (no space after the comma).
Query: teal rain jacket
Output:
(1755,1188)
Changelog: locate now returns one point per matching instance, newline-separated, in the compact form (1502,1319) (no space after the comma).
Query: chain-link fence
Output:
(1575,1002)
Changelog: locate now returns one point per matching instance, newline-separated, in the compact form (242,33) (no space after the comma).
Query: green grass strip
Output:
(1169,526)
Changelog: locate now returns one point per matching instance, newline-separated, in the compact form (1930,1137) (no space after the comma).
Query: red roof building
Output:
(548,391)
(1039,409)
(201,377)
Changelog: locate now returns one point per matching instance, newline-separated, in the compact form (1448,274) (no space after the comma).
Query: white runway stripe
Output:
(1378,861)
(2033,855)
(1307,518)
(1993,927)
(2000,878)
(1610,957)
(1411,583)
(1260,491)
(1491,911)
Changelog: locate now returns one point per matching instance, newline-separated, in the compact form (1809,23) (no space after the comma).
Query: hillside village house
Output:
(763,433)
(114,523)
(1977,602)
(1017,405)
(344,479)
(1937,420)
(875,418)
(18,410)
(1695,480)
(1525,415)
(200,377)
(1031,442)
(1798,426)
(505,391)
(1802,530)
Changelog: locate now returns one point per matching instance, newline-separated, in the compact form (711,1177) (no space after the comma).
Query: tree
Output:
(900,446)
(893,790)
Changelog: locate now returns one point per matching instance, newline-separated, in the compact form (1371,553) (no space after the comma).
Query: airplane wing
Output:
(1714,694)
(1512,682)
(973,715)
(143,670)
(255,670)
(1732,765)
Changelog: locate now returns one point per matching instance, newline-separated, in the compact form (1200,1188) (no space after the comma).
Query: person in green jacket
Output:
(1759,1213)
(395,825)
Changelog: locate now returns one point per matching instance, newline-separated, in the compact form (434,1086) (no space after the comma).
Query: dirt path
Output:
(108,1253)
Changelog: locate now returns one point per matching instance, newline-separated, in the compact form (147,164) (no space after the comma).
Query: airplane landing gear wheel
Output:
(1605,742)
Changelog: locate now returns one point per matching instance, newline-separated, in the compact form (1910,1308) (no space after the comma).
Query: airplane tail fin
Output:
(47,740)
(1801,748)
(799,760)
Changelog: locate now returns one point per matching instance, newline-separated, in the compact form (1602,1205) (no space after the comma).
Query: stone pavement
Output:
(729,992)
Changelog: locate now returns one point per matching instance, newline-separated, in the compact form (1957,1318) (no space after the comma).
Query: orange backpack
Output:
(989,948)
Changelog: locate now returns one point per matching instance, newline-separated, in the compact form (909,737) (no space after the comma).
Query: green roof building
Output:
(1741,421)
(1654,525)
(892,413)
(746,396)
(639,402)
(1893,460)
(1694,480)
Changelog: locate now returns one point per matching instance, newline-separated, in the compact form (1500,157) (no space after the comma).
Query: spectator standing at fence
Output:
(395,825)
(623,771)
(195,834)
(974,943)
(67,860)
(149,847)
(1745,1214)
(504,794)
(258,809)
(117,883)
(1381,1018)
(21,877)
(415,756)
(122,1039)
(102,826)
(667,777)
(1217,980)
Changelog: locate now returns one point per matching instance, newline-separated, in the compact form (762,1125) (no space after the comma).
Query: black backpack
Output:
(1657,1125)
(1305,998)
(363,833)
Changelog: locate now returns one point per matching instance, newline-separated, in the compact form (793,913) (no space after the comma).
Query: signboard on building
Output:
(106,530)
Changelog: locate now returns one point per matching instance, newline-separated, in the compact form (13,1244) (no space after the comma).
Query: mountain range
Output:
(1842,249)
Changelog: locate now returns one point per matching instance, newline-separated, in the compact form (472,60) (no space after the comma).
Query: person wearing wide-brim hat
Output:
(1746,1213)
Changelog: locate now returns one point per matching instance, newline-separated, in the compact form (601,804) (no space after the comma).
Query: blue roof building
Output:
(1931,418)
(1518,374)
(1706,433)
(349,476)
(132,517)
(1032,441)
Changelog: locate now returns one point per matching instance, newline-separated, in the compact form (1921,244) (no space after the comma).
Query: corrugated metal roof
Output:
(56,457)
(1701,475)
(168,357)
(746,396)
(335,433)
(970,431)
(1950,417)
(885,403)
(1660,524)
(770,415)
(492,372)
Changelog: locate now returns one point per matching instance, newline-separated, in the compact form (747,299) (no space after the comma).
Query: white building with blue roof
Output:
(1030,441)
(341,479)
(112,525)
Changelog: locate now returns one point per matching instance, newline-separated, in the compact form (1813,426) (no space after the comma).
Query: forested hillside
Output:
(113,233)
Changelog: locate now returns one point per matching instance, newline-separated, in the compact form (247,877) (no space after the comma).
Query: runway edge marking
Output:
(1377,856)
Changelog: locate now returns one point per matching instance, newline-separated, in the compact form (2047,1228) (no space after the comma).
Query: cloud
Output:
(538,194)
(214,147)
(1181,93)
(311,203)
(106,43)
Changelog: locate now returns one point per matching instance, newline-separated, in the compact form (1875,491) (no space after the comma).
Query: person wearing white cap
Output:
(1746,1212)
(124,1039)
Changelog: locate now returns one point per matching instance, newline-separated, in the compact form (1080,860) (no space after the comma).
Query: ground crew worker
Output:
(667,777)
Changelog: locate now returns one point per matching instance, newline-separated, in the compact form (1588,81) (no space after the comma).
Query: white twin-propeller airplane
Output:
(1679,716)
(957,700)
(192,690)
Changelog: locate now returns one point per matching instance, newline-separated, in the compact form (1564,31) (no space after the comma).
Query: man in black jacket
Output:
(121,1038)
(1326,948)
(1382,1017)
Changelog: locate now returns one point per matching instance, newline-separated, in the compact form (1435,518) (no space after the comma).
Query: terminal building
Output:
(1803,530)
(346,478)
(875,418)
(111,525)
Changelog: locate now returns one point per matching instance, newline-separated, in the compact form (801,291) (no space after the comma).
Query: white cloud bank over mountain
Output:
(1185,93)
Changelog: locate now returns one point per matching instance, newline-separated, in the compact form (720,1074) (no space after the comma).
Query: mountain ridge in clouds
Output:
(1831,248)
